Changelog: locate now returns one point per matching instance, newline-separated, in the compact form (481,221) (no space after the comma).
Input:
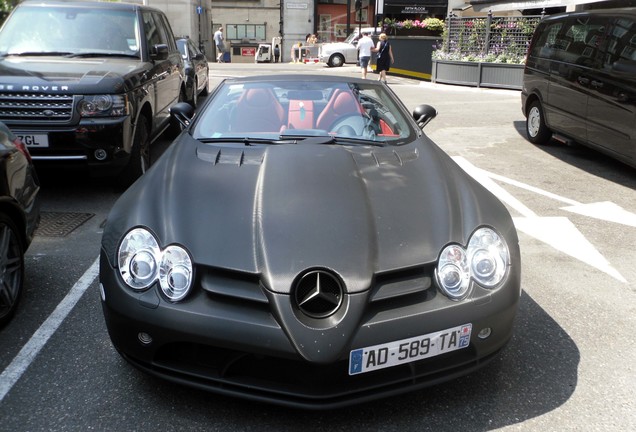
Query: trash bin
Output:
(226,57)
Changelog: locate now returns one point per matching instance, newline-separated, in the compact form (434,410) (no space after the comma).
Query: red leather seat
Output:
(342,103)
(258,110)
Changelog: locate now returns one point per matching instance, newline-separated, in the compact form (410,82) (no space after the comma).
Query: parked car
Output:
(90,84)
(304,243)
(335,54)
(197,70)
(580,81)
(19,217)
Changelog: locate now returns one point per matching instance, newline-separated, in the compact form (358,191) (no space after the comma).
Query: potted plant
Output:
(483,52)
(425,27)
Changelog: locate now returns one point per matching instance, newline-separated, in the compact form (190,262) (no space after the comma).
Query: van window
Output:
(580,41)
(621,45)
(546,41)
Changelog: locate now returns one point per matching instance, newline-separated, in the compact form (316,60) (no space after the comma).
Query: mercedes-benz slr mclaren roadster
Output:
(302,242)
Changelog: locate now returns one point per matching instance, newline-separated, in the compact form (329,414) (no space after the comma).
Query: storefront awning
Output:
(508,5)
(413,6)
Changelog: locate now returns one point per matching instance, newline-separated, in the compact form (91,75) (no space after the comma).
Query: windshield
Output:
(351,38)
(68,31)
(278,109)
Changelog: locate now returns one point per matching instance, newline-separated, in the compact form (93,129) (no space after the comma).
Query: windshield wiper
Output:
(39,53)
(296,139)
(244,140)
(98,54)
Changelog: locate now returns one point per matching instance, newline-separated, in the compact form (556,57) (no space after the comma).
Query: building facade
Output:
(248,23)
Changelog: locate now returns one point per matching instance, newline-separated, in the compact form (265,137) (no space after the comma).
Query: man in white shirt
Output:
(220,46)
(364,49)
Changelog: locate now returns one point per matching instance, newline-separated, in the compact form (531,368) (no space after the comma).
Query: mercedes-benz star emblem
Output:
(318,294)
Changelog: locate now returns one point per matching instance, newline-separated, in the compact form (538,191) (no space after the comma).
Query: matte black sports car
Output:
(19,217)
(304,243)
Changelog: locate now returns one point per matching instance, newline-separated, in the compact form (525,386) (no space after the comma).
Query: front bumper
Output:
(236,346)
(100,145)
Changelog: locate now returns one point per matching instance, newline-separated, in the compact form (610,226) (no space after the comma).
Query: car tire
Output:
(536,129)
(139,160)
(11,268)
(336,60)
(206,88)
(195,93)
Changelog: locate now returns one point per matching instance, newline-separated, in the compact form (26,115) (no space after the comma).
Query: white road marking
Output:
(27,354)
(558,232)
(561,234)
(607,211)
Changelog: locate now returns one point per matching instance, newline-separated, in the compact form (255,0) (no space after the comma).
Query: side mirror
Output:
(159,52)
(183,113)
(423,114)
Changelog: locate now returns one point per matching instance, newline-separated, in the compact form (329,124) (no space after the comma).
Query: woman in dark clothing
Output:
(385,56)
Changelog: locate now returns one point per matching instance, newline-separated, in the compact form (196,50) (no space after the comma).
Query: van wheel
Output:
(536,129)
(139,154)
(336,60)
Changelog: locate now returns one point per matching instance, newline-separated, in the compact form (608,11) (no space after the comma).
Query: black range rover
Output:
(89,84)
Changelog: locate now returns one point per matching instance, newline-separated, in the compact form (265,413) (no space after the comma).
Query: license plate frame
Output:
(33,140)
(376,357)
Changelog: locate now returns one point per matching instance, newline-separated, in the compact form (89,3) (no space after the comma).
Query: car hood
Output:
(336,46)
(71,75)
(276,211)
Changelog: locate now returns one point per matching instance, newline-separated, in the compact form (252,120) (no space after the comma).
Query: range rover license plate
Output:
(408,350)
(33,140)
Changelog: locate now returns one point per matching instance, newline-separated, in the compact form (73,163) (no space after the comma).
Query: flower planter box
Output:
(416,31)
(478,74)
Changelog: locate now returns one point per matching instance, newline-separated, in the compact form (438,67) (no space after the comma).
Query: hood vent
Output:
(230,156)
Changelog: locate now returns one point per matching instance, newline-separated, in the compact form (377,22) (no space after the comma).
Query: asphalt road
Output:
(571,364)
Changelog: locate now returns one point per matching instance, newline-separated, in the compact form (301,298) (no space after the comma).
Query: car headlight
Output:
(485,260)
(142,262)
(103,106)
(175,273)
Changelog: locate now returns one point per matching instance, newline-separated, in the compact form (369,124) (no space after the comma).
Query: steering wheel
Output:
(355,124)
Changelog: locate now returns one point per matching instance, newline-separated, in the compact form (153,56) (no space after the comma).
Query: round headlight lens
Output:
(488,256)
(175,273)
(453,274)
(137,259)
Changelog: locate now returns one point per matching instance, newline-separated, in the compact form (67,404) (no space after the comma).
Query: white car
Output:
(336,54)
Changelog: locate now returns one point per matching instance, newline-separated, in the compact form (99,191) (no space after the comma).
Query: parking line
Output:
(27,354)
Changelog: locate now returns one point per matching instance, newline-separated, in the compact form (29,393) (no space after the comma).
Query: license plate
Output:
(408,350)
(33,140)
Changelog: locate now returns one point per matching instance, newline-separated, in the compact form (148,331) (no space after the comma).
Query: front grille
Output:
(36,107)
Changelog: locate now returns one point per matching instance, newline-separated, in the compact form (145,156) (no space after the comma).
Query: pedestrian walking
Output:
(220,45)
(365,45)
(385,56)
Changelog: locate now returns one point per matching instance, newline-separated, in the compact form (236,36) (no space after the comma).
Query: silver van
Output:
(580,81)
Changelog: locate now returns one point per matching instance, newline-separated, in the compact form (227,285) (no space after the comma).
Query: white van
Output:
(336,54)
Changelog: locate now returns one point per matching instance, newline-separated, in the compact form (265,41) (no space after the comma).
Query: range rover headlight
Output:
(485,260)
(103,106)
(142,263)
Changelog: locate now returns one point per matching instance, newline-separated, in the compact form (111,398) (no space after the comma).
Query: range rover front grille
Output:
(36,107)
